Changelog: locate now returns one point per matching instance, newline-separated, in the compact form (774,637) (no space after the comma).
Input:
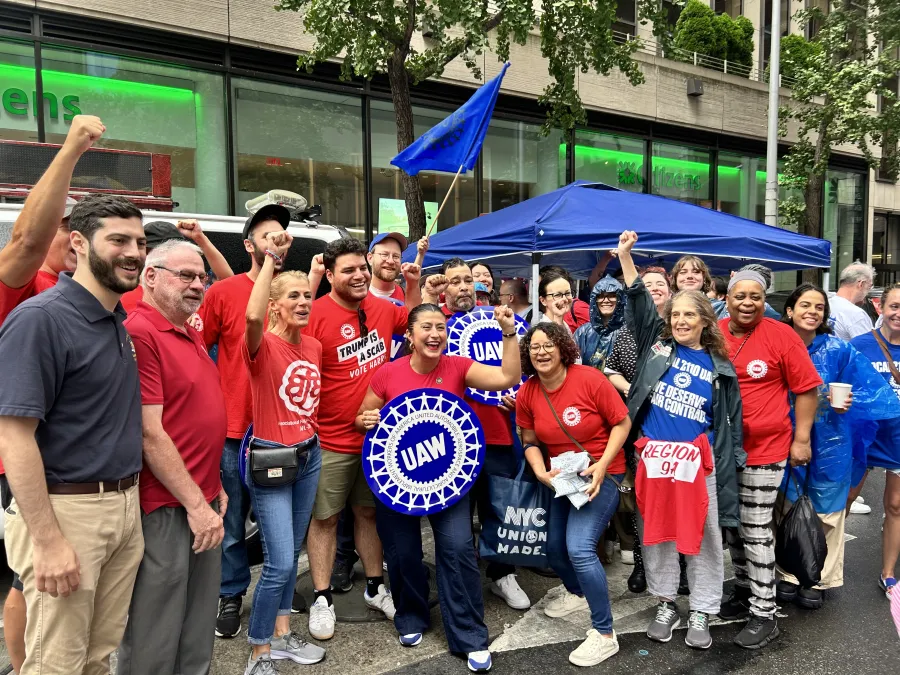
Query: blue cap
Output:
(396,236)
(481,288)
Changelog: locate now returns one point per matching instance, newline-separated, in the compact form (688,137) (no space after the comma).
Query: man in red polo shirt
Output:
(500,458)
(172,616)
(30,263)
(223,320)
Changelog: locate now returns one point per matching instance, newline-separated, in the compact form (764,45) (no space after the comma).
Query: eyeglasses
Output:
(548,347)
(363,328)
(384,255)
(607,297)
(559,296)
(185,276)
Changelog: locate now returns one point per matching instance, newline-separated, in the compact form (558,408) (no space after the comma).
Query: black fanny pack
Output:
(276,465)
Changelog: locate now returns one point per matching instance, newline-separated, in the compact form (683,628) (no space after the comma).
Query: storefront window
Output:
(146,107)
(19,114)
(617,161)
(304,141)
(843,220)
(742,185)
(389,207)
(681,173)
(519,163)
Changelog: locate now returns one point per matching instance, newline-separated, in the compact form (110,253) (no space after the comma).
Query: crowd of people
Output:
(131,458)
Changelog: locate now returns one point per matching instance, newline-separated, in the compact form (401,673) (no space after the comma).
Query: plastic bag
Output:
(800,547)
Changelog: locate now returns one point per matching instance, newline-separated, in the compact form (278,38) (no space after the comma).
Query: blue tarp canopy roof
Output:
(574,226)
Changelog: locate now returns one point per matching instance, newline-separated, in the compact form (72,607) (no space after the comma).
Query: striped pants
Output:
(752,545)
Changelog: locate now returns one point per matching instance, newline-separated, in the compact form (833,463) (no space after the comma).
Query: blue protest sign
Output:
(477,335)
(426,452)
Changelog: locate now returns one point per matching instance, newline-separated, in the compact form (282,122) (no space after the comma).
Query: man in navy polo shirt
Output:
(172,621)
(70,439)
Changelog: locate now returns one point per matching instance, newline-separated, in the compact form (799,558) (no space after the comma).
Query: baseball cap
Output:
(268,212)
(481,288)
(396,236)
(70,204)
(159,232)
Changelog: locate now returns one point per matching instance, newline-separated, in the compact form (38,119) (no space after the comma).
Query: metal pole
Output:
(772,138)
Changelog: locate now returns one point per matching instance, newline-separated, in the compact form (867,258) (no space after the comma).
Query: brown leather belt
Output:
(92,488)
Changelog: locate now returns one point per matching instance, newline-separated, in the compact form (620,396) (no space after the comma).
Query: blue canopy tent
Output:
(574,225)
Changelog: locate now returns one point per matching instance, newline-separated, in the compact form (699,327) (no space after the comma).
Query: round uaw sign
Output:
(478,336)
(426,452)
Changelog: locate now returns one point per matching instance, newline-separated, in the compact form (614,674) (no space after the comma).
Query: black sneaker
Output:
(785,591)
(228,621)
(757,633)
(737,606)
(810,598)
(341,576)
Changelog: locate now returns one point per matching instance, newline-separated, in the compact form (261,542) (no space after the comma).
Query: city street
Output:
(852,633)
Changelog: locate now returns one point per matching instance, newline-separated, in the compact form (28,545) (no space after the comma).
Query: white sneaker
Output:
(860,509)
(565,605)
(508,589)
(383,602)
(627,557)
(595,649)
(321,620)
(860,500)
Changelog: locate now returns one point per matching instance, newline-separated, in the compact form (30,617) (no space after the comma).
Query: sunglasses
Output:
(363,328)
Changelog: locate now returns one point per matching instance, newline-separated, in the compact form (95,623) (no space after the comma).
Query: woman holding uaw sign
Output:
(423,451)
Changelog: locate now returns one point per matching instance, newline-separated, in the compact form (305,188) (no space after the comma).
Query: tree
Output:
(383,37)
(796,55)
(738,39)
(835,101)
(698,31)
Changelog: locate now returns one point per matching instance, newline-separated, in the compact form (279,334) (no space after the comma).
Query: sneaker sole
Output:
(288,656)
(411,644)
(509,602)
(805,603)
(376,608)
(342,589)
(786,597)
(587,663)
(771,637)
(227,636)
(559,615)
(693,645)
(675,626)
(479,670)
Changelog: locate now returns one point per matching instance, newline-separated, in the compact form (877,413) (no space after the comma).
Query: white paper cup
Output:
(840,392)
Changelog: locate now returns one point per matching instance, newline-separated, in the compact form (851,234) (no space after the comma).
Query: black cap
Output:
(268,212)
(159,232)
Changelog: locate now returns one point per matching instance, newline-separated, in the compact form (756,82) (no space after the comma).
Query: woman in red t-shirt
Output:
(565,406)
(771,362)
(284,367)
(458,578)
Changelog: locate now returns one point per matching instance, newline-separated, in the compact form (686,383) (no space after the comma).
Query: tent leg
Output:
(535,280)
(826,280)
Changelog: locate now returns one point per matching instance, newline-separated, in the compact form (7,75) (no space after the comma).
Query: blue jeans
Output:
(572,549)
(235,566)
(499,460)
(283,514)
(458,578)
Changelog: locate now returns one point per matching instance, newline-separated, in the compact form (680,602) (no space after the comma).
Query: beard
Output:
(389,276)
(104,272)
(462,303)
(259,257)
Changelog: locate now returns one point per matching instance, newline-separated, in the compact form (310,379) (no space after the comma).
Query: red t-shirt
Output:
(131,299)
(585,402)
(177,373)
(670,487)
(349,361)
(396,294)
(398,377)
(772,362)
(223,313)
(582,312)
(10,298)
(286,382)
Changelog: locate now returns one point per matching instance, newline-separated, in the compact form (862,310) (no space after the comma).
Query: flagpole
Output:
(443,203)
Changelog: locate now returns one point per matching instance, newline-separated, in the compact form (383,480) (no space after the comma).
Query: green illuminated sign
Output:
(15,102)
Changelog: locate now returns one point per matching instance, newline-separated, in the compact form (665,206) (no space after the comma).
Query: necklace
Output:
(747,337)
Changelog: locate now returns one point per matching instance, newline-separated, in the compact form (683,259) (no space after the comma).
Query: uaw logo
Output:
(301,385)
(757,369)
(446,134)
(478,336)
(682,380)
(426,452)
(523,532)
(571,416)
(348,332)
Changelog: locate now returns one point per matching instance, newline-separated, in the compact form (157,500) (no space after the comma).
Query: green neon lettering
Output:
(15,102)
(70,103)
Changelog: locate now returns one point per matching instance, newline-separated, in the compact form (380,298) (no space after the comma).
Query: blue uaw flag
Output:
(456,141)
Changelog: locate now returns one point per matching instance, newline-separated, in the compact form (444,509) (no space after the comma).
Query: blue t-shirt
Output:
(681,405)
(886,448)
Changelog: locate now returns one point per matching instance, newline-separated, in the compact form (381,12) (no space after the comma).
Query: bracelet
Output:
(274,256)
(530,445)
(513,334)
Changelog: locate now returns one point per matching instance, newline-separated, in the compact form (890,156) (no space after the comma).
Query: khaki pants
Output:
(833,570)
(76,635)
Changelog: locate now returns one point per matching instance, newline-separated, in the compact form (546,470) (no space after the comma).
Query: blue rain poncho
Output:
(834,435)
(595,340)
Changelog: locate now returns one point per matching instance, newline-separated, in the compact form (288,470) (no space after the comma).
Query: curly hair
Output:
(686,260)
(711,338)
(568,350)
(653,269)
(824,328)
(339,247)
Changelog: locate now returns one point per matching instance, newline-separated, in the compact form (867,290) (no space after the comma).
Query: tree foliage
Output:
(411,41)
(797,54)
(700,30)
(838,82)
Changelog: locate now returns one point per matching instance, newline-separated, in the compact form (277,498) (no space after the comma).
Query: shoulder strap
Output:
(887,354)
(559,421)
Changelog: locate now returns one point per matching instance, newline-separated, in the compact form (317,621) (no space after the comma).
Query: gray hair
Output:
(855,272)
(763,271)
(159,256)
